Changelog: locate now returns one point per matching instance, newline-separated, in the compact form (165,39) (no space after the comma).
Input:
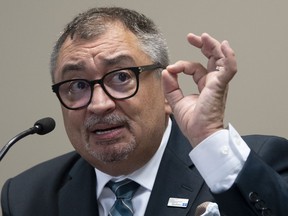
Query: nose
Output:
(101,103)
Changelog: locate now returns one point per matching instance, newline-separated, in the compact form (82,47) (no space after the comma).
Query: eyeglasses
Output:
(119,84)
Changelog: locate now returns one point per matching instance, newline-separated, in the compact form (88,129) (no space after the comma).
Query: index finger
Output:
(209,46)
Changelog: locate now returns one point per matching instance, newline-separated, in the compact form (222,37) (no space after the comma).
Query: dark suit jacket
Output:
(66,186)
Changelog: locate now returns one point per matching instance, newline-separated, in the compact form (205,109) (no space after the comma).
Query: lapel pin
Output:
(178,202)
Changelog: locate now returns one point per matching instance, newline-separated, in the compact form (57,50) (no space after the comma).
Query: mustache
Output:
(111,119)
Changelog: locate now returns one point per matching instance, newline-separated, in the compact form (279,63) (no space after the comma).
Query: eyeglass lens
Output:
(117,84)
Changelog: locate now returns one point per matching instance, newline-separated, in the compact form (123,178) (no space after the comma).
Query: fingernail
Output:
(226,42)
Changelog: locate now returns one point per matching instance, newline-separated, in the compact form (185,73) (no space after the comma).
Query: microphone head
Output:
(44,125)
(209,208)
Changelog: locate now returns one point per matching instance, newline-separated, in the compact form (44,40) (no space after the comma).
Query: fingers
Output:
(229,62)
(194,69)
(218,54)
(195,40)
(171,87)
(209,46)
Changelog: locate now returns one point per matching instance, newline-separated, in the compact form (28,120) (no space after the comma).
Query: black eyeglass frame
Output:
(92,83)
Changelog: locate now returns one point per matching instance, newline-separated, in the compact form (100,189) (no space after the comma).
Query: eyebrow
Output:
(119,59)
(122,60)
(79,66)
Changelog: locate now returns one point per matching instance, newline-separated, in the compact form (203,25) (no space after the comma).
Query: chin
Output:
(111,153)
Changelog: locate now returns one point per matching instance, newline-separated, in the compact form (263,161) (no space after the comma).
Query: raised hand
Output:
(200,115)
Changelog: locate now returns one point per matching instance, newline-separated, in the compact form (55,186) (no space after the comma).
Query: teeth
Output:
(103,132)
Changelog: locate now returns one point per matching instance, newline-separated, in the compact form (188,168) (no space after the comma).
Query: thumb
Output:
(171,88)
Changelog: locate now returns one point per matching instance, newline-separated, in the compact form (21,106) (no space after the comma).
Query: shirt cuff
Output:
(220,157)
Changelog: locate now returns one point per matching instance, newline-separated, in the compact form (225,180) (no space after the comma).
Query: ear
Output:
(168,109)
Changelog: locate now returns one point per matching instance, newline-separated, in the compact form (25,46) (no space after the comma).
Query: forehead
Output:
(116,47)
(116,44)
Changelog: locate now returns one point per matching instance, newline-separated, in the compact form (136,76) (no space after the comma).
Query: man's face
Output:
(115,136)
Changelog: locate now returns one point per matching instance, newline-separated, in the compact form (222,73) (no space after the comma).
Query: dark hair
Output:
(94,22)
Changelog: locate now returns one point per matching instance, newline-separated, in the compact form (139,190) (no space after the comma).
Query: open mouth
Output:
(107,130)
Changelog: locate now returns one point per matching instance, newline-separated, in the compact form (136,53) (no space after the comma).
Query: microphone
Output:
(41,127)
(207,209)
(200,210)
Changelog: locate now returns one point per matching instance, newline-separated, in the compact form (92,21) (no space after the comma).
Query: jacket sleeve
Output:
(261,187)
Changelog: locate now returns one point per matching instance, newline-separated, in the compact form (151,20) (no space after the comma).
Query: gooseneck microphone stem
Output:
(41,127)
(21,135)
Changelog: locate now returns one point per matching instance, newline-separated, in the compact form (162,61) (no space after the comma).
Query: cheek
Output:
(147,115)
(146,108)
(73,121)
(153,99)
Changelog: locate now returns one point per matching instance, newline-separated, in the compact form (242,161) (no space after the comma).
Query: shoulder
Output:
(48,172)
(272,149)
(40,185)
(261,142)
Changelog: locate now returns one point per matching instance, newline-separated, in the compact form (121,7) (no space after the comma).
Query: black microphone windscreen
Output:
(44,125)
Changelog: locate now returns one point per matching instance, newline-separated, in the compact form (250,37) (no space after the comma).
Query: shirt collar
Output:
(146,175)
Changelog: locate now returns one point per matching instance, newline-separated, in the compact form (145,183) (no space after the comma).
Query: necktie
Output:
(124,191)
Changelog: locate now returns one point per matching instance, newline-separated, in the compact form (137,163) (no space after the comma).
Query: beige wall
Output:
(256,29)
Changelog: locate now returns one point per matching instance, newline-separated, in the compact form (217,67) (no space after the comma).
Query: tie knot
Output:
(124,189)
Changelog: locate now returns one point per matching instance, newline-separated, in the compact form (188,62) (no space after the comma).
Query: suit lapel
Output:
(177,177)
(82,183)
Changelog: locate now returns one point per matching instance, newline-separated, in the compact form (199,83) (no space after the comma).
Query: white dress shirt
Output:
(219,159)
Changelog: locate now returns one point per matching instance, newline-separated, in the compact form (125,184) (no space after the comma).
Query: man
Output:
(120,105)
